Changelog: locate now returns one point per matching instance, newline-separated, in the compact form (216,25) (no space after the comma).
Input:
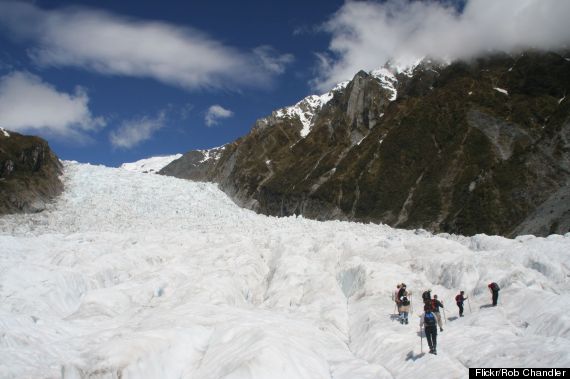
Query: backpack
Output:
(494,287)
(429,319)
(458,298)
(405,301)
(434,305)
(426,295)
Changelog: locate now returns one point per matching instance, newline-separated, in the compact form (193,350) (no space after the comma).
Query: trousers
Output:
(431,335)
(495,297)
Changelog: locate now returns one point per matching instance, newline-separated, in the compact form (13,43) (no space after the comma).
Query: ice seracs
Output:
(150,165)
(146,276)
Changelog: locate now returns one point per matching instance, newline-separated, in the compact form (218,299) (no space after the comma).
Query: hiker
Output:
(459,299)
(494,288)
(426,297)
(436,304)
(429,323)
(402,291)
(404,308)
(397,294)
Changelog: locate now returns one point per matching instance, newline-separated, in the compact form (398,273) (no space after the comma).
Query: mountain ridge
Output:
(466,147)
(29,173)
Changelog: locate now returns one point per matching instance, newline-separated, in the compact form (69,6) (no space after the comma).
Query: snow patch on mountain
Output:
(501,90)
(305,110)
(150,165)
(4,132)
(388,81)
(212,154)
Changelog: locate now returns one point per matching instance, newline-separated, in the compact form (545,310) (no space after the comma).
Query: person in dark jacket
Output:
(436,304)
(494,288)
(426,297)
(402,291)
(459,299)
(429,323)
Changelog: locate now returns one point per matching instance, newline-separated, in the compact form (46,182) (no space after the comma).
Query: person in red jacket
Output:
(459,299)
(435,305)
(494,288)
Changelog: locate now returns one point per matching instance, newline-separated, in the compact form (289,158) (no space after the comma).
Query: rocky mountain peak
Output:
(461,147)
(29,173)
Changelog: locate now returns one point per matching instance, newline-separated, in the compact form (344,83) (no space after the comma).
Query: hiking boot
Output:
(441,329)
(434,352)
(406,321)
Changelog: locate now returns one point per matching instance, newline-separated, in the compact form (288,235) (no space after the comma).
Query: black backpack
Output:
(429,319)
(495,287)
(405,301)
(426,295)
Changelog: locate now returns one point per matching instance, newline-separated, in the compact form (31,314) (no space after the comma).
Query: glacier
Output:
(131,275)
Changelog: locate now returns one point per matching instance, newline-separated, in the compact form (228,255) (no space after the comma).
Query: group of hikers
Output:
(431,318)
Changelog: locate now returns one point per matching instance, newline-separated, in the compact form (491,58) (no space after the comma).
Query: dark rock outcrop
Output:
(195,165)
(29,173)
(470,147)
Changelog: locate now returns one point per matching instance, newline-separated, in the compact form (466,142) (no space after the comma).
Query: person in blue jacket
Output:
(429,323)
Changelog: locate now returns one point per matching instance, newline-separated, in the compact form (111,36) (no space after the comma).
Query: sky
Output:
(109,82)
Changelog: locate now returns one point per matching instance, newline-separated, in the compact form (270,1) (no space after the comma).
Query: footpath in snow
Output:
(132,275)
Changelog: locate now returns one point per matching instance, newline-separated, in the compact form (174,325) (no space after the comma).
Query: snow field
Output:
(142,276)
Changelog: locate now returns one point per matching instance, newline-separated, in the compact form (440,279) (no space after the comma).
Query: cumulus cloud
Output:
(215,113)
(136,131)
(110,44)
(364,35)
(28,104)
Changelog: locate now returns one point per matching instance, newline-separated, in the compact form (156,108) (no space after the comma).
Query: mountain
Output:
(195,165)
(29,173)
(467,147)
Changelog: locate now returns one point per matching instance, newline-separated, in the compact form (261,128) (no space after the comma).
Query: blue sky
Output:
(109,82)
(282,29)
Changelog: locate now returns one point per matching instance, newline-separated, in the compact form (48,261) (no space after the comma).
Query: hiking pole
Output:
(421,341)
(469,303)
(444,316)
(411,303)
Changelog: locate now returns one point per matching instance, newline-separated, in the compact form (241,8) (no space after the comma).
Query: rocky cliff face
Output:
(29,173)
(469,147)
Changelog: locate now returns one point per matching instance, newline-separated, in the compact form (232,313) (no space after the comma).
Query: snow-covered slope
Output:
(144,276)
(150,165)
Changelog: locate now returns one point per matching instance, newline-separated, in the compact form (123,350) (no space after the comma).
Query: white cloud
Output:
(133,132)
(367,34)
(271,60)
(109,44)
(29,104)
(215,113)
